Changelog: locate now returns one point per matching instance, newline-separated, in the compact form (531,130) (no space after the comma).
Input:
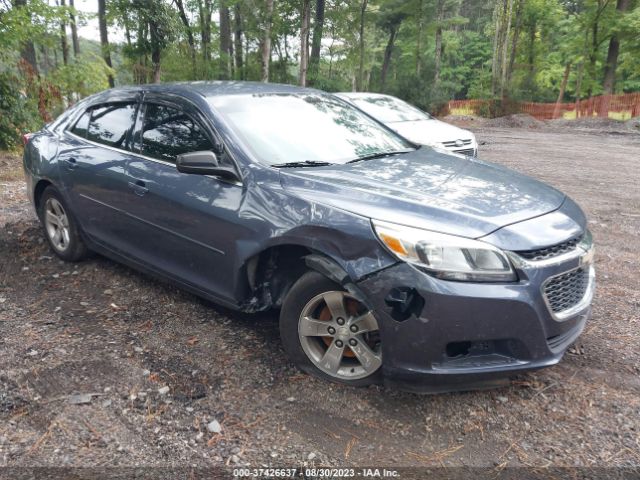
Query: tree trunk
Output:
(420,28)
(155,50)
(205,28)
(225,42)
(190,39)
(74,29)
(438,55)
(505,51)
(237,36)
(563,86)
(360,82)
(104,37)
(440,5)
(304,41)
(266,41)
(612,53)
(578,85)
(514,41)
(63,38)
(496,36)
(28,51)
(388,51)
(316,42)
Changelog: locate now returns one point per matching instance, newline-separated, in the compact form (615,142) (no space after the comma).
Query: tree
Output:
(363,10)
(305,19)
(613,52)
(63,38)
(189,32)
(390,18)
(316,42)
(104,37)
(237,39)
(265,56)
(74,29)
(225,41)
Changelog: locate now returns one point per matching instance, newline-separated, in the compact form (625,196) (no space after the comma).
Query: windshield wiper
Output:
(378,155)
(303,163)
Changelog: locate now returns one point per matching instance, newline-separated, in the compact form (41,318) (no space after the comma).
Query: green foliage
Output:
(530,49)
(18,111)
(86,75)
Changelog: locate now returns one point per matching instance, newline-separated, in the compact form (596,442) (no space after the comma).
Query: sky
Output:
(91,30)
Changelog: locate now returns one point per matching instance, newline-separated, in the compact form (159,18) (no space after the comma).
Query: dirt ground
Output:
(87,349)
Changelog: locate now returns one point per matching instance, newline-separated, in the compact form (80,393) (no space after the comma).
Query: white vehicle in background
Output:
(412,123)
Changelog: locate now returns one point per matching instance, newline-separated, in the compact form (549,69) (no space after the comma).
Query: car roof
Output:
(212,88)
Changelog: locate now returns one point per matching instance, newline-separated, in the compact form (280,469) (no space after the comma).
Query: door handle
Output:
(139,187)
(71,163)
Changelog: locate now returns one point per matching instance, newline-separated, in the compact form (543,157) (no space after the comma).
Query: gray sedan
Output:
(388,261)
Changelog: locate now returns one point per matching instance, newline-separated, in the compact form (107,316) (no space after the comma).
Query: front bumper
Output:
(463,336)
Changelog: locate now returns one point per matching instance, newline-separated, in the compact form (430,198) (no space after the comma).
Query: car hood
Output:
(427,189)
(428,132)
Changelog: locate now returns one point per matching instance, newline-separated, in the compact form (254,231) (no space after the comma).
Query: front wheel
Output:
(329,333)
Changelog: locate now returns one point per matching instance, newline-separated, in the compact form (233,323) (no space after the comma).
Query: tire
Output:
(63,232)
(308,344)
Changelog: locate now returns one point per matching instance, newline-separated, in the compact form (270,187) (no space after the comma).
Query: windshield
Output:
(389,109)
(304,127)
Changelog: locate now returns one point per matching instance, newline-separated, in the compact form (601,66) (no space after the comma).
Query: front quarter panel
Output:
(346,238)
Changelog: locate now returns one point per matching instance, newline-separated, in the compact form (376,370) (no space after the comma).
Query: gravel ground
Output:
(100,365)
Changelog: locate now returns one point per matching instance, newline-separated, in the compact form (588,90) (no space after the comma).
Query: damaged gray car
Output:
(389,262)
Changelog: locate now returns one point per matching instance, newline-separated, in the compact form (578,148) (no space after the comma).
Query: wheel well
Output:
(272,272)
(37,192)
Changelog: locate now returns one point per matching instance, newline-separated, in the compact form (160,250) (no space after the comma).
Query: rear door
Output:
(92,163)
(187,224)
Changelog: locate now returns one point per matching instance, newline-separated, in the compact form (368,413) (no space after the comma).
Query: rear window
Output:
(82,125)
(111,124)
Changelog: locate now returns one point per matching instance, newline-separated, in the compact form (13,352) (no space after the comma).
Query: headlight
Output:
(446,256)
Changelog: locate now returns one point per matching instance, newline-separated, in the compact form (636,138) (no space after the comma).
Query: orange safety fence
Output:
(618,106)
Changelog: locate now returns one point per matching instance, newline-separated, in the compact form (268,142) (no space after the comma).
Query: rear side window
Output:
(110,124)
(168,132)
(82,125)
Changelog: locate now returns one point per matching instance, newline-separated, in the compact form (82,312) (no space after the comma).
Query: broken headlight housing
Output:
(446,256)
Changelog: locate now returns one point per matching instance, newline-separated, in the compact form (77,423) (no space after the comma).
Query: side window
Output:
(167,132)
(111,123)
(82,125)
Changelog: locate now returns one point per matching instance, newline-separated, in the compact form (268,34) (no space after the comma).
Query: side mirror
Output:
(204,163)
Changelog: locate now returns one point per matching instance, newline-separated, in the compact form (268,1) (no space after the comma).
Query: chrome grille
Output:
(468,151)
(567,290)
(552,251)
(452,143)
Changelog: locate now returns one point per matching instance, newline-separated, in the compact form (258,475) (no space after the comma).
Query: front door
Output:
(187,224)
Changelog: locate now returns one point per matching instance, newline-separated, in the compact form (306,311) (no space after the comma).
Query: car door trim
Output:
(237,183)
(155,225)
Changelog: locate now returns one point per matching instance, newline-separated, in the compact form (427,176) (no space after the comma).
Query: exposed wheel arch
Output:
(271,273)
(38,190)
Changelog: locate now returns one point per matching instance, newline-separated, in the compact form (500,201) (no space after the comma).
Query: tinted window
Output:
(168,132)
(110,124)
(81,126)
(288,127)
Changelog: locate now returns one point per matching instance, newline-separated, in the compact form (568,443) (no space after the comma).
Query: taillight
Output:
(25,138)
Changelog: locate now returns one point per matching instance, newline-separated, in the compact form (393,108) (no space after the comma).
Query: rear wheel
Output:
(329,333)
(60,227)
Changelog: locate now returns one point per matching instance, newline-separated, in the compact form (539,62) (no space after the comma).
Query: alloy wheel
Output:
(340,336)
(56,224)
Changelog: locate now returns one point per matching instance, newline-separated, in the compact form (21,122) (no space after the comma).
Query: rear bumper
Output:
(463,336)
